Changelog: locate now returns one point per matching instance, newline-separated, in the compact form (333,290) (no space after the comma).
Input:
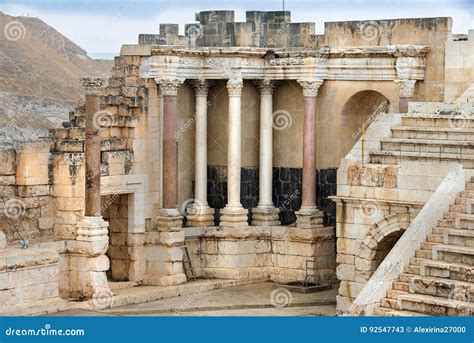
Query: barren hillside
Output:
(39,77)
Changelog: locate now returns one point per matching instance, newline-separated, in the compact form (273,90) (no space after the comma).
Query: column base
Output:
(265,216)
(201,216)
(234,217)
(309,218)
(88,262)
(168,223)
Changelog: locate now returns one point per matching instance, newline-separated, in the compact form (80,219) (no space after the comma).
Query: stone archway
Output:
(378,242)
(359,110)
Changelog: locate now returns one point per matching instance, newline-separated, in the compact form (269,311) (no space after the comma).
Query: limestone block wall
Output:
(459,68)
(26,205)
(27,276)
(275,253)
(432,32)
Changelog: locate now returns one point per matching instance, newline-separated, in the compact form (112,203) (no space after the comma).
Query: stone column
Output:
(265,213)
(164,255)
(200,214)
(169,91)
(92,149)
(406,91)
(309,216)
(234,215)
(87,261)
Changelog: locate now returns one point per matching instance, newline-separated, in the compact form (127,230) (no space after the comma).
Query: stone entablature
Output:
(354,63)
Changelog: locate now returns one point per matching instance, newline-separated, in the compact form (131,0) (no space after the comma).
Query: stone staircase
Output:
(431,132)
(440,278)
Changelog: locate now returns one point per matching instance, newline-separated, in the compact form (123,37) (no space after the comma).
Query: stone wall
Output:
(28,276)
(26,205)
(459,68)
(275,253)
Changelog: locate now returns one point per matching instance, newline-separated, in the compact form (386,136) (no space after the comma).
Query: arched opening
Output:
(385,246)
(358,111)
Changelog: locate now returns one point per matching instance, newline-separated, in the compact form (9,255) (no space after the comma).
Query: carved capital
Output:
(266,87)
(92,85)
(406,88)
(201,86)
(310,87)
(234,87)
(169,87)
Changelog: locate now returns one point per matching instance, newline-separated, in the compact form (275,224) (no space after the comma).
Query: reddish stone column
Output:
(406,91)
(92,87)
(309,216)
(169,91)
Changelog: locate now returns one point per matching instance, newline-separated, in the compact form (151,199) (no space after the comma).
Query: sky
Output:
(102,26)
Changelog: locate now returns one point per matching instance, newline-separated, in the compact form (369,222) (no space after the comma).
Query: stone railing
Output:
(391,267)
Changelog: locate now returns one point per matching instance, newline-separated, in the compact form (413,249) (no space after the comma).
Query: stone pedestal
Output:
(200,216)
(406,90)
(309,218)
(87,260)
(234,217)
(164,253)
(265,216)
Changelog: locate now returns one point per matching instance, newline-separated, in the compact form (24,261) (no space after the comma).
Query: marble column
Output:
(406,91)
(234,215)
(200,214)
(169,92)
(309,216)
(265,213)
(92,87)
(87,260)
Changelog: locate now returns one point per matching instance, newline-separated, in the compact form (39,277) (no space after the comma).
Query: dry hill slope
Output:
(39,77)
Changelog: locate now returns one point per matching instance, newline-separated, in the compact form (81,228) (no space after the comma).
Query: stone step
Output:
(410,269)
(467,194)
(415,261)
(389,303)
(395,157)
(406,277)
(446,223)
(393,294)
(454,253)
(427,254)
(459,237)
(438,230)
(439,287)
(434,238)
(458,208)
(401,286)
(382,311)
(427,245)
(438,109)
(464,221)
(435,306)
(453,271)
(422,146)
(400,313)
(433,133)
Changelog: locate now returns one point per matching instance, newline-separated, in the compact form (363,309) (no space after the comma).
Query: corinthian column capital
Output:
(234,87)
(406,87)
(266,87)
(310,87)
(201,86)
(169,87)
(92,85)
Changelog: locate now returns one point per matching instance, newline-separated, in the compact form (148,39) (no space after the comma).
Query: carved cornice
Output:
(201,86)
(169,87)
(234,87)
(92,85)
(310,87)
(266,86)
(406,87)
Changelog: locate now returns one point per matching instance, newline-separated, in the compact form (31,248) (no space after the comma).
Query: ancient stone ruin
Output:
(260,146)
